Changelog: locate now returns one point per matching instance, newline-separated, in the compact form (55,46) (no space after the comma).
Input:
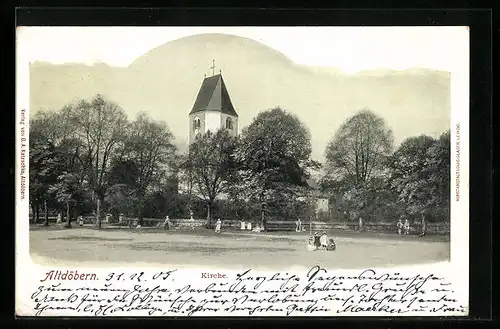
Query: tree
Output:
(209,166)
(100,126)
(274,153)
(359,148)
(67,191)
(409,176)
(43,172)
(148,147)
(122,180)
(437,170)
(356,161)
(121,199)
(52,152)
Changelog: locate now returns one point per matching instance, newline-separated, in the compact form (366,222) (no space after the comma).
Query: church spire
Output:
(213,96)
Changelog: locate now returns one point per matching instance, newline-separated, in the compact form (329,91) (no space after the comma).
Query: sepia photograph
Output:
(241,147)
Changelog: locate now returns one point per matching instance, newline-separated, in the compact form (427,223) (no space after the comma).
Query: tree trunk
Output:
(209,215)
(262,217)
(45,213)
(33,212)
(37,211)
(98,212)
(140,217)
(68,215)
(424,225)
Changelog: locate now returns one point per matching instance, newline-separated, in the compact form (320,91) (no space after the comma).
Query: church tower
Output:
(212,109)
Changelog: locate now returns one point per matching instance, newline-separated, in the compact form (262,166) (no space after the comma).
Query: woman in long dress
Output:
(218,226)
(298,225)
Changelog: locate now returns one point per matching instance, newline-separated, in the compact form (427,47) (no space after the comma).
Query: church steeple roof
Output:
(213,96)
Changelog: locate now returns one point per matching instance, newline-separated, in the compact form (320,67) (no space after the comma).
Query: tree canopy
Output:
(359,148)
(92,144)
(274,154)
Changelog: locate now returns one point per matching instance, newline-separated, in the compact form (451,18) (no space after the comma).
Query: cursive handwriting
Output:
(317,292)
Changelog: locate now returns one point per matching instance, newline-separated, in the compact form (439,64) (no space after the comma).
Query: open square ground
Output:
(230,249)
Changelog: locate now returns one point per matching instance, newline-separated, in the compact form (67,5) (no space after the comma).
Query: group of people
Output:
(404,228)
(60,219)
(322,242)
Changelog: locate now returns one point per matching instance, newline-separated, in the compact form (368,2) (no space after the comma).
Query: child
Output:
(400,226)
(323,240)
(218,226)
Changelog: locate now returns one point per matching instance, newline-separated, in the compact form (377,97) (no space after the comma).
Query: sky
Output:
(350,49)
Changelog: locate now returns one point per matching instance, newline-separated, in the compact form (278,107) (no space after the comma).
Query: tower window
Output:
(196,123)
(229,124)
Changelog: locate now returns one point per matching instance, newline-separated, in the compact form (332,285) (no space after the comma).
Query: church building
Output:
(212,110)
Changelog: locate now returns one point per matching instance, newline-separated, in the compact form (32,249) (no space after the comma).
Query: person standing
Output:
(191,219)
(80,220)
(323,240)
(298,225)
(360,224)
(317,243)
(400,226)
(166,225)
(218,225)
(59,218)
(407,227)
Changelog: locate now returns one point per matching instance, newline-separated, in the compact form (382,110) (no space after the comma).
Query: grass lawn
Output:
(230,249)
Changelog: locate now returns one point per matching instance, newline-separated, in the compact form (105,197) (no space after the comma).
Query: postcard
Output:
(242,171)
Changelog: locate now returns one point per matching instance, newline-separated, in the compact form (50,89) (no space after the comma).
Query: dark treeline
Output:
(366,178)
(88,158)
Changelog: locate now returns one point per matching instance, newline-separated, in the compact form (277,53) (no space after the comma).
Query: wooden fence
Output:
(432,228)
